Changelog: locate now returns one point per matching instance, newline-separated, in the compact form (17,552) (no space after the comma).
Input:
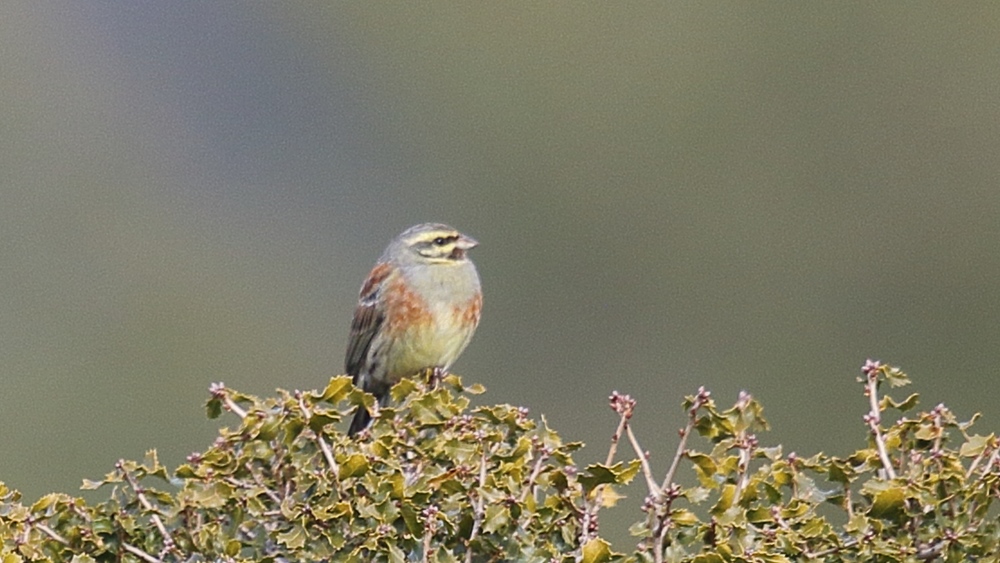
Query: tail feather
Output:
(361,421)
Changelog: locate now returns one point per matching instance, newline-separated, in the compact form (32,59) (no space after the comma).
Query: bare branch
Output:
(873,418)
(700,400)
(479,513)
(140,553)
(219,390)
(323,446)
(168,540)
(647,471)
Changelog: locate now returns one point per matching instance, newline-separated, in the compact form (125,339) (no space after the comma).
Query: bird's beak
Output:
(466,242)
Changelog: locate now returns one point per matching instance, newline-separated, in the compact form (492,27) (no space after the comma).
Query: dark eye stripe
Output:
(441,241)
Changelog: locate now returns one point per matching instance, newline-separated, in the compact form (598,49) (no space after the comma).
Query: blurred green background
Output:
(668,194)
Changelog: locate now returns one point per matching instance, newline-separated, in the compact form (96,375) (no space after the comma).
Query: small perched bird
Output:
(417,310)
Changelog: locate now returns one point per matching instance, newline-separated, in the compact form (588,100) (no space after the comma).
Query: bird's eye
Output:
(439,241)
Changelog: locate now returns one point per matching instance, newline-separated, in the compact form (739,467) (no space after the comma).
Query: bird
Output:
(417,310)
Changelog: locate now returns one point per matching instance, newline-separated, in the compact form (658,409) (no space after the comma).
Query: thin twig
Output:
(477,518)
(930,552)
(140,553)
(745,453)
(699,402)
(260,483)
(830,551)
(428,534)
(848,503)
(624,405)
(328,454)
(622,424)
(660,509)
(937,415)
(543,454)
(991,462)
(51,533)
(975,463)
(681,447)
(647,470)
(986,471)
(219,390)
(323,446)
(873,419)
(662,537)
(430,514)
(232,406)
(168,541)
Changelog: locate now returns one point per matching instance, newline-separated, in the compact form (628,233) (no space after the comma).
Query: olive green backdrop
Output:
(746,196)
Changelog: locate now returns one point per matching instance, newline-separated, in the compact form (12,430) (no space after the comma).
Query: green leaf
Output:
(725,500)
(806,489)
(683,517)
(902,406)
(964,426)
(209,495)
(401,390)
(896,377)
(599,474)
(888,503)
(927,432)
(396,555)
(45,502)
(89,485)
(337,390)
(705,467)
(596,551)
(975,445)
(413,525)
(269,427)
(840,472)
(354,465)
(772,453)
(610,497)
(760,515)
(708,558)
(713,427)
(497,518)
(857,524)
(102,525)
(153,467)
(629,472)
(317,422)
(815,528)
(213,408)
(517,453)
(294,538)
(331,511)
(696,495)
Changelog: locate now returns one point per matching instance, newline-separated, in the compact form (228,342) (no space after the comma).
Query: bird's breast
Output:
(429,325)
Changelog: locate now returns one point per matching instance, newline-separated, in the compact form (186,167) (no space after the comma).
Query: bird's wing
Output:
(368,317)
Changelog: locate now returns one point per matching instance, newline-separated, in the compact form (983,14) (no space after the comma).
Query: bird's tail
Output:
(361,421)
